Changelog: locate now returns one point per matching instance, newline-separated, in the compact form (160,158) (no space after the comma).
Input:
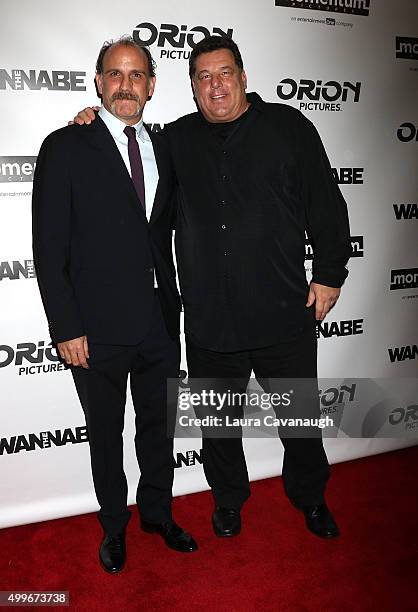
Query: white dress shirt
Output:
(149,165)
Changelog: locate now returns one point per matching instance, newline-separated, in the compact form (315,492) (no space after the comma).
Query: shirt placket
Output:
(225,228)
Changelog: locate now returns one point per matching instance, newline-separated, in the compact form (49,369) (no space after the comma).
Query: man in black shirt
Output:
(252,178)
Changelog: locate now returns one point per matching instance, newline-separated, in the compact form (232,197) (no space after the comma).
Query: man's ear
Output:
(151,87)
(244,78)
(99,83)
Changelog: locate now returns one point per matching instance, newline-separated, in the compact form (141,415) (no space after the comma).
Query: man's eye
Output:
(205,76)
(226,72)
(137,75)
(114,73)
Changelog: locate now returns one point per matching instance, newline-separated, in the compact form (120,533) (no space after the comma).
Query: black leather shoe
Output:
(173,535)
(320,521)
(226,522)
(112,552)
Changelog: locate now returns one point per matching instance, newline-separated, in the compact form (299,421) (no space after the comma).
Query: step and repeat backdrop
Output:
(351,66)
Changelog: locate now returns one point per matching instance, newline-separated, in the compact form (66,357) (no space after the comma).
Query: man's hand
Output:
(324,298)
(85,116)
(75,352)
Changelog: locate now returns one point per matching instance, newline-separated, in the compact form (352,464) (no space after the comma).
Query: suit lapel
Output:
(159,201)
(101,138)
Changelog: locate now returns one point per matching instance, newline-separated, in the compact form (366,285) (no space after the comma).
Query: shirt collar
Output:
(256,101)
(253,98)
(116,126)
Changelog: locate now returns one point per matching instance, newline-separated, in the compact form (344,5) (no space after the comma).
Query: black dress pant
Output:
(102,393)
(305,466)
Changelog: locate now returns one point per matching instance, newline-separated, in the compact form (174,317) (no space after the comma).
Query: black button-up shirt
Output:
(245,200)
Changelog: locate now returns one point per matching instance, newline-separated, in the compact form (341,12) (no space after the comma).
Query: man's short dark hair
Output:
(128,41)
(213,43)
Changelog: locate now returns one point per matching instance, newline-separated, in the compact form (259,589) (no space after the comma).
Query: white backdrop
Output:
(48,51)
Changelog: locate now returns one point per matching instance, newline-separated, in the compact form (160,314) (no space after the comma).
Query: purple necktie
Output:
(137,171)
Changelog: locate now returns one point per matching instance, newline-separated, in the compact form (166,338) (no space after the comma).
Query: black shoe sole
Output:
(220,534)
(329,536)
(110,571)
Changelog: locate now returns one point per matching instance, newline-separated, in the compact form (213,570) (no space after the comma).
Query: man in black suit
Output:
(102,218)
(253,178)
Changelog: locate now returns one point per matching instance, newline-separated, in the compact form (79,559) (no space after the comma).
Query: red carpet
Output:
(275,564)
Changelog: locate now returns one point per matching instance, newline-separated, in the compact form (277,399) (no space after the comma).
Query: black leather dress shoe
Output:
(173,535)
(112,552)
(226,522)
(320,521)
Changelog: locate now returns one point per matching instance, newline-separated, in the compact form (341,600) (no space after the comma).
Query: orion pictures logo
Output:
(35,80)
(406,48)
(16,270)
(173,40)
(407,132)
(17,169)
(408,416)
(330,399)
(43,440)
(349,7)
(310,93)
(357,246)
(31,358)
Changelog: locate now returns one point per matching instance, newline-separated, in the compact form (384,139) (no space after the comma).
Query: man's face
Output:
(125,84)
(219,86)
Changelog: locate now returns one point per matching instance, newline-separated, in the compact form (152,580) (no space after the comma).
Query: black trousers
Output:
(102,393)
(305,466)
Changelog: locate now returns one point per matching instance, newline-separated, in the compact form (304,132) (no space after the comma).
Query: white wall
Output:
(276,43)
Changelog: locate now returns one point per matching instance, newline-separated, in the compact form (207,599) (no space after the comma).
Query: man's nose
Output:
(215,81)
(126,82)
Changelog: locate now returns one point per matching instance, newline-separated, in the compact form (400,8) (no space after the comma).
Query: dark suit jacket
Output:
(94,250)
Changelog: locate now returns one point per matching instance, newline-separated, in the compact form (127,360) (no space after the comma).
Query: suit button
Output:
(150,270)
(222,202)
(223,227)
(224,177)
